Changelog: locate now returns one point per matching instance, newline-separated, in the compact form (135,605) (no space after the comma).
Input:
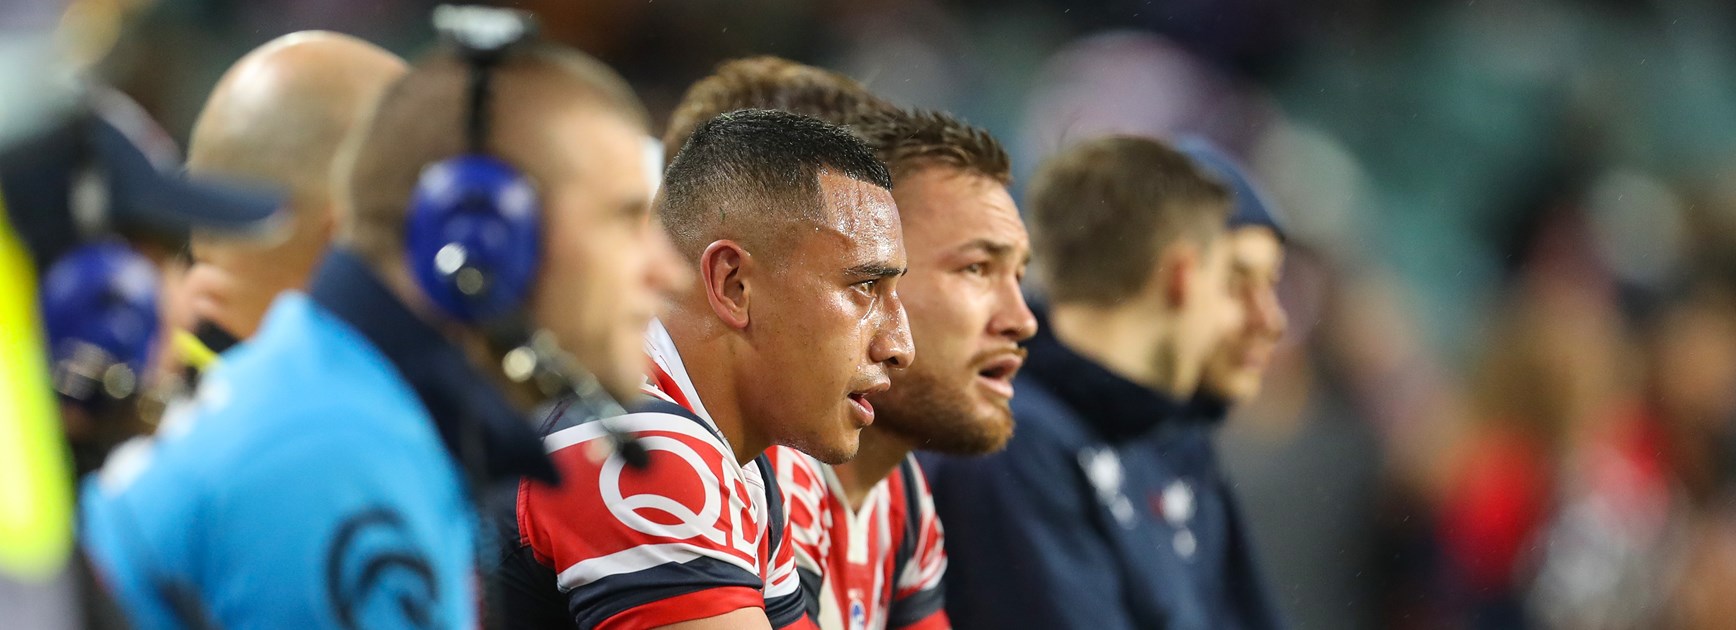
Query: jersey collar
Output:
(482,432)
(1117,408)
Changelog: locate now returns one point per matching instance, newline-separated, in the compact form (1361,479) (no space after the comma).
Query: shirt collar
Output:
(1117,408)
(483,433)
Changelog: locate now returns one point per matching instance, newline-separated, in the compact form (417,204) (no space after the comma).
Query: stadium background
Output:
(1507,395)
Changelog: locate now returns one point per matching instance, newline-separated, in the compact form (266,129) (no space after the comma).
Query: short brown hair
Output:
(421,120)
(1102,211)
(910,140)
(767,82)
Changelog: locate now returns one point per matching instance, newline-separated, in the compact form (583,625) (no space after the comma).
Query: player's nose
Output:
(1013,318)
(892,343)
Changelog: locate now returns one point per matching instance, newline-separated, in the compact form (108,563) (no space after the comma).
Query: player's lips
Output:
(864,410)
(996,374)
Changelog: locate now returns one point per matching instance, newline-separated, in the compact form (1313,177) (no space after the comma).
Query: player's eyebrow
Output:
(994,248)
(875,270)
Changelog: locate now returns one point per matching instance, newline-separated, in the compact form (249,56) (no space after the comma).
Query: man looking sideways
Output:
(278,116)
(789,225)
(329,464)
(1078,524)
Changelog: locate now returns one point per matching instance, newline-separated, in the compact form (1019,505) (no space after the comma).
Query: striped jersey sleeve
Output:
(918,599)
(685,538)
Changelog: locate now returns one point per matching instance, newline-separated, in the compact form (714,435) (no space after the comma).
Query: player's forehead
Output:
(946,210)
(858,220)
(1256,249)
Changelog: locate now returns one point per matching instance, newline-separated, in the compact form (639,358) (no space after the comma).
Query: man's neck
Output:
(705,358)
(475,348)
(879,454)
(1135,342)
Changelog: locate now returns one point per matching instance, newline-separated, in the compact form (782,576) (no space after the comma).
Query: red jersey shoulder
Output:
(608,518)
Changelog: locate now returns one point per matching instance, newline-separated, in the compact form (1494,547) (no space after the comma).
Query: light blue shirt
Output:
(306,485)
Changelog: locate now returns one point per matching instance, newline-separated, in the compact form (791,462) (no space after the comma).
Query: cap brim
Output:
(144,197)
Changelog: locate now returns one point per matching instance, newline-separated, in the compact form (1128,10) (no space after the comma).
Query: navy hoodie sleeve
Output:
(1026,549)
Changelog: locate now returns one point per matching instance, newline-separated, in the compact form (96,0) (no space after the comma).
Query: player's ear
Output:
(724,269)
(1174,275)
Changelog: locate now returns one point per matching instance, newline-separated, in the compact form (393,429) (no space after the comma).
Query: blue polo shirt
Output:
(1106,511)
(312,481)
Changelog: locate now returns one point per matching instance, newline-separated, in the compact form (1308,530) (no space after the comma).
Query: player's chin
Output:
(986,431)
(990,433)
(838,448)
(1241,385)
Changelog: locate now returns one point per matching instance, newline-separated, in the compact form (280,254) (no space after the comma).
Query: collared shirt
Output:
(693,535)
(1105,512)
(312,481)
(871,568)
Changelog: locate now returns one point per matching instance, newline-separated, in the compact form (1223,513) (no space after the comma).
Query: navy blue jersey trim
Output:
(594,603)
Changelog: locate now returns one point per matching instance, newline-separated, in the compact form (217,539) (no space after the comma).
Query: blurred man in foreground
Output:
(790,225)
(278,115)
(1077,524)
(328,465)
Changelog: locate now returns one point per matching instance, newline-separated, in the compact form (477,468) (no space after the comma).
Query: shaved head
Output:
(279,116)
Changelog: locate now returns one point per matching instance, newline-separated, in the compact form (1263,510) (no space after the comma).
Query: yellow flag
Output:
(36,495)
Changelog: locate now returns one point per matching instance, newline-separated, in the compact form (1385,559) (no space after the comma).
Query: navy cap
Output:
(1253,206)
(48,182)
(147,194)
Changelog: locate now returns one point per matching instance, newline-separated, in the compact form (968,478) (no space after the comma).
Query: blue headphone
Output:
(474,237)
(99,301)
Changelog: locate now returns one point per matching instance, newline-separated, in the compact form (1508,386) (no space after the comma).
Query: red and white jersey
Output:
(870,569)
(692,535)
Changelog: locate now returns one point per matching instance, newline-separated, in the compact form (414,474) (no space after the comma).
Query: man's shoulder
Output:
(304,355)
(686,488)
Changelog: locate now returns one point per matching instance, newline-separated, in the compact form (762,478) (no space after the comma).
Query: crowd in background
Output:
(1507,394)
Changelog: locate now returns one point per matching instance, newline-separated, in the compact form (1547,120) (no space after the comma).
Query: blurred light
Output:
(1637,226)
(1318,183)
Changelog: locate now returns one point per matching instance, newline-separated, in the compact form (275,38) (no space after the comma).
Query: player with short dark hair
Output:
(790,226)
(323,474)
(1080,522)
(868,546)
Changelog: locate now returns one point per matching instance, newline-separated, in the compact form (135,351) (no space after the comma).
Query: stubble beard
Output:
(936,416)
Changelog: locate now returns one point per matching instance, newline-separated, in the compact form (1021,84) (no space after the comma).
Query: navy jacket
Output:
(1106,511)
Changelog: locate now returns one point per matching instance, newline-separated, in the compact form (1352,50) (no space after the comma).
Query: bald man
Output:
(278,116)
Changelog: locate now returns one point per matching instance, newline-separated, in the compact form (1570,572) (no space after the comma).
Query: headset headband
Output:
(483,37)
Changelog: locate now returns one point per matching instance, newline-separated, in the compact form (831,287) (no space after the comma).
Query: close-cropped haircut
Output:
(767,82)
(755,174)
(911,140)
(421,120)
(1102,211)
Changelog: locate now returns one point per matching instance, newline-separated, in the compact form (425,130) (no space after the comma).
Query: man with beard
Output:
(868,546)
(1092,518)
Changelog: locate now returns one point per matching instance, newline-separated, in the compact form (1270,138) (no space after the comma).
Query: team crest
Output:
(858,613)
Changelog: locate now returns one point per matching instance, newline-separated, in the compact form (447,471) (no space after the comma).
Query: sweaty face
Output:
(1238,364)
(826,324)
(607,267)
(968,251)
(1208,312)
